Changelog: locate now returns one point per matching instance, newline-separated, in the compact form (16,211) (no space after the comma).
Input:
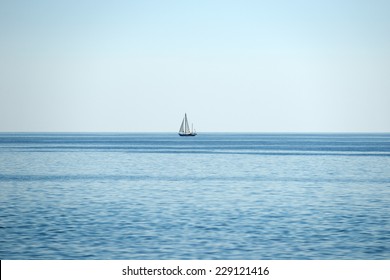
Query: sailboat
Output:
(185,129)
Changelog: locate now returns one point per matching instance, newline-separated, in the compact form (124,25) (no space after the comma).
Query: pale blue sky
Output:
(259,66)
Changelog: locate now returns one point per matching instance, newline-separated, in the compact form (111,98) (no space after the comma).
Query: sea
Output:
(238,196)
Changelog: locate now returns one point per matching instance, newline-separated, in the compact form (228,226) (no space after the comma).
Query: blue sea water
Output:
(213,196)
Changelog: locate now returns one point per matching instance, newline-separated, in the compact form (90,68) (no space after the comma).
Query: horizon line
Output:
(204,132)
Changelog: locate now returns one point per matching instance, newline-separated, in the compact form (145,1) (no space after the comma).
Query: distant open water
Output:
(213,196)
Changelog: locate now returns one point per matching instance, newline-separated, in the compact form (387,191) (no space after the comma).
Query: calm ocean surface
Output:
(213,196)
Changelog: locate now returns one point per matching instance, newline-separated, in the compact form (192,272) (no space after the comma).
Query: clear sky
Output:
(258,66)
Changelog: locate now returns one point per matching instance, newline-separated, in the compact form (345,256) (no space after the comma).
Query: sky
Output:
(232,66)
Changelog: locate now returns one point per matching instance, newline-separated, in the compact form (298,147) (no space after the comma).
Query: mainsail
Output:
(182,127)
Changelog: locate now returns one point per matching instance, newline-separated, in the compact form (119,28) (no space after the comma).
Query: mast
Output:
(187,129)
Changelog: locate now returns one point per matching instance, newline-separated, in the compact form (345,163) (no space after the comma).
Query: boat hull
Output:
(187,134)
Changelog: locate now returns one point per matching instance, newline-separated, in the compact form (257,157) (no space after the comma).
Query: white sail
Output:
(187,128)
(182,127)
